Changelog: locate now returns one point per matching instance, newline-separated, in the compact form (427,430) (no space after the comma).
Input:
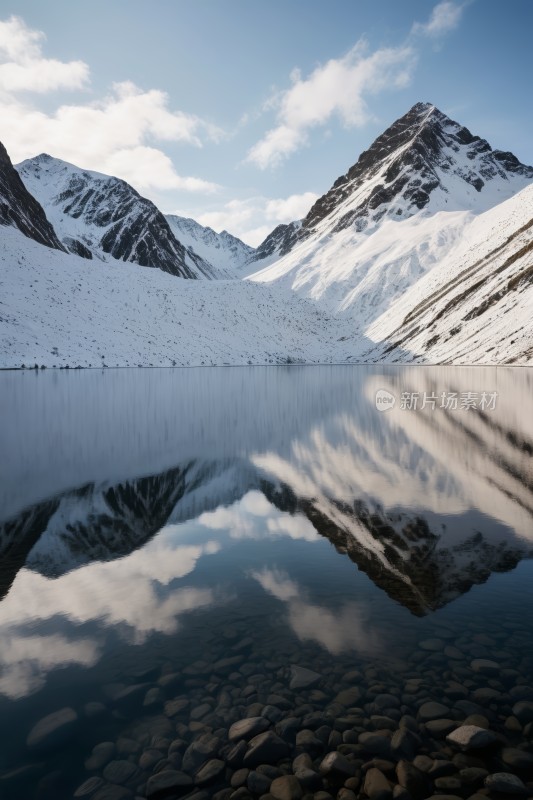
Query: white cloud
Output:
(27,659)
(254,218)
(114,134)
(294,207)
(23,68)
(149,168)
(254,517)
(236,216)
(254,236)
(134,594)
(344,629)
(338,88)
(444,18)
(276,583)
(296,527)
(347,628)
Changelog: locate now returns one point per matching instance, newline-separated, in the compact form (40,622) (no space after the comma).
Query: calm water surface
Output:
(174,544)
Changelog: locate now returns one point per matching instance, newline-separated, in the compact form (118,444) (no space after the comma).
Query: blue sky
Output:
(240,112)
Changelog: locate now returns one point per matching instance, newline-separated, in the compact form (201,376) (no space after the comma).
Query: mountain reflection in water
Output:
(133,500)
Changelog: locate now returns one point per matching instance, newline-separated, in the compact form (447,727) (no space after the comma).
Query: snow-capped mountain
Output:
(226,252)
(410,220)
(98,216)
(424,160)
(18,208)
(395,214)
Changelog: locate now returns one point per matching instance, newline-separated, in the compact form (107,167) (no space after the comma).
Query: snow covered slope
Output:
(225,251)
(395,214)
(20,209)
(476,304)
(60,309)
(98,216)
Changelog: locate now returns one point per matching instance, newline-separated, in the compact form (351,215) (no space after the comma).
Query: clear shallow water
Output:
(219,526)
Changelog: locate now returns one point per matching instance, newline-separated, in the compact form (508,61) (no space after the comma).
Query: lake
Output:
(336,558)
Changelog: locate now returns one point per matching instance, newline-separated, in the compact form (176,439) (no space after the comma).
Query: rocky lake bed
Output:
(243,720)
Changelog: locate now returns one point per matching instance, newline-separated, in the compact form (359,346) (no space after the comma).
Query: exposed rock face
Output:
(277,244)
(104,217)
(19,209)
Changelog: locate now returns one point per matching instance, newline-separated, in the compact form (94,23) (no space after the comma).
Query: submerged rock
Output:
(303,678)
(440,727)
(53,730)
(413,780)
(239,778)
(470,737)
(506,783)
(523,711)
(258,783)
(201,750)
(267,748)
(247,728)
(517,759)
(166,783)
(210,772)
(431,711)
(120,771)
(349,697)
(101,754)
(405,743)
(287,787)
(337,766)
(375,743)
(376,786)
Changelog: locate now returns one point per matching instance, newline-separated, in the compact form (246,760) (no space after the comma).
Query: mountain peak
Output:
(224,251)
(43,158)
(423,107)
(423,161)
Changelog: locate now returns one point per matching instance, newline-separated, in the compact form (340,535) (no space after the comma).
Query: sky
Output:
(240,113)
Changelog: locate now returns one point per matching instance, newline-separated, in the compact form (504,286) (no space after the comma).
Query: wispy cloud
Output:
(338,88)
(444,18)
(345,629)
(113,134)
(342,87)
